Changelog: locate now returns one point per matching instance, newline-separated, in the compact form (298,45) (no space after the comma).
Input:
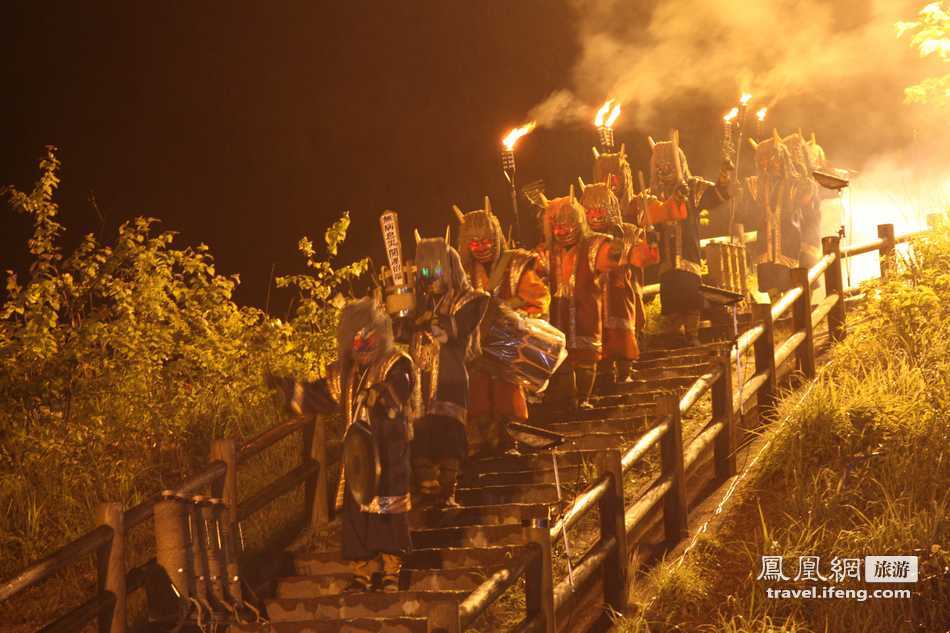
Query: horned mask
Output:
(668,166)
(438,266)
(614,169)
(565,221)
(602,206)
(480,237)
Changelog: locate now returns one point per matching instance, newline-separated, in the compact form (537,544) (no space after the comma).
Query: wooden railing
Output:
(619,524)
(607,557)
(107,541)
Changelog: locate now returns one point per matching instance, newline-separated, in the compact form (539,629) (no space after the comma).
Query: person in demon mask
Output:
(776,199)
(619,286)
(449,311)
(375,386)
(806,158)
(510,276)
(576,258)
(677,199)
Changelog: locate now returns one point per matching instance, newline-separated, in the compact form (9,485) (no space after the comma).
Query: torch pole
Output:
(734,198)
(508,165)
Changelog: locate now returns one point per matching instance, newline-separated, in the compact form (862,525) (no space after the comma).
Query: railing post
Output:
(612,525)
(886,233)
(765,356)
(722,411)
(111,568)
(802,318)
(671,455)
(834,284)
(226,487)
(539,580)
(315,489)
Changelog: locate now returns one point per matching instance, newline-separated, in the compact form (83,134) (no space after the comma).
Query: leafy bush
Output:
(119,363)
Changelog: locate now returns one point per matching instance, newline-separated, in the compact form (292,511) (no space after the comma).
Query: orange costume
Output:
(620,289)
(511,278)
(577,260)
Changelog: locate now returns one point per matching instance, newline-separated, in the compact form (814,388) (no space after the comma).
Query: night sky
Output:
(247,125)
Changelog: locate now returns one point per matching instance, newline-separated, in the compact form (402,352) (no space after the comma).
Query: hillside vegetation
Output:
(858,464)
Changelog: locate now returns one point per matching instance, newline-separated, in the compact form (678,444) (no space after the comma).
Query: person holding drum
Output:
(375,387)
(448,311)
(510,276)
(577,257)
(620,289)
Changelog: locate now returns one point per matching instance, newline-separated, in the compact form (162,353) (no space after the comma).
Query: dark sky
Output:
(246,125)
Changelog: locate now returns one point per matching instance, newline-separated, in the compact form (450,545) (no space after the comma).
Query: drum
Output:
(361,464)
(523,350)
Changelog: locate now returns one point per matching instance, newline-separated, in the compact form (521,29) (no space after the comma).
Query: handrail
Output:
(43,569)
(271,436)
(493,587)
(581,505)
(860,249)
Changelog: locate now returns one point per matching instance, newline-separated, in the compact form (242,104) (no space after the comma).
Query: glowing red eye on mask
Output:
(364,342)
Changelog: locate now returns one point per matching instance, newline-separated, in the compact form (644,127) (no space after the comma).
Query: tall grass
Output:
(860,466)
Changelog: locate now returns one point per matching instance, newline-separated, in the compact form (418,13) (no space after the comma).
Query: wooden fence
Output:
(220,478)
(619,523)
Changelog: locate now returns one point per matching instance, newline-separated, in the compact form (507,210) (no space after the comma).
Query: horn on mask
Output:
(459,214)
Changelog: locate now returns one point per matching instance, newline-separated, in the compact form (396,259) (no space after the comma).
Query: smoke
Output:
(833,60)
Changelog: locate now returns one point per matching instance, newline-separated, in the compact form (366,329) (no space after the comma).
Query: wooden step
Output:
(354,625)
(439,607)
(511,513)
(471,536)
(461,579)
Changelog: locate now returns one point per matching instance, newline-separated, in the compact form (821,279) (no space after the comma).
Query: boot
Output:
(448,479)
(426,474)
(691,323)
(391,564)
(624,371)
(484,425)
(584,376)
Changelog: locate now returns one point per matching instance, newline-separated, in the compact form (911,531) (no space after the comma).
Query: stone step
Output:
(626,426)
(498,495)
(461,579)
(440,608)
(470,536)
(528,461)
(329,563)
(353,625)
(511,513)
(567,474)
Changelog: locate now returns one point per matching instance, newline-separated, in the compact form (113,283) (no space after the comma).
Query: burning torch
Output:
(733,123)
(760,122)
(508,165)
(605,119)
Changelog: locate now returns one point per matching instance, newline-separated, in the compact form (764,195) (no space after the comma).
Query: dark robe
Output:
(680,277)
(441,432)
(366,534)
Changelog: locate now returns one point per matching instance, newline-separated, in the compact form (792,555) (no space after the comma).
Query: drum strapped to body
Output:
(520,349)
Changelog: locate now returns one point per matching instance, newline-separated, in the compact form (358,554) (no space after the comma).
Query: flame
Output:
(732,114)
(512,137)
(603,112)
(761,113)
(744,99)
